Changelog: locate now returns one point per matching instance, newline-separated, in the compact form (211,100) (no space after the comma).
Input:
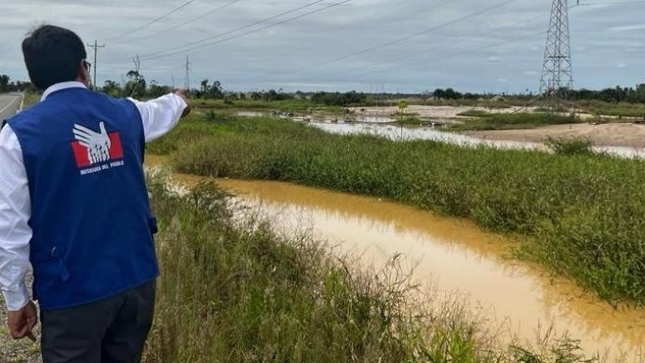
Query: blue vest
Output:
(90,213)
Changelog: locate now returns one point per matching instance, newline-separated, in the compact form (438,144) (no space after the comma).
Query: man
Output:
(73,202)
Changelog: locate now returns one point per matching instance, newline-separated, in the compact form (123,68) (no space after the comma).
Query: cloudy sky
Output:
(395,45)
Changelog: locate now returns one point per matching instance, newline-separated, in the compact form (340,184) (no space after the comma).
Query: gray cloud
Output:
(499,50)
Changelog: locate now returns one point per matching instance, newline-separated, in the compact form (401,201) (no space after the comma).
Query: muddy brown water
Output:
(452,255)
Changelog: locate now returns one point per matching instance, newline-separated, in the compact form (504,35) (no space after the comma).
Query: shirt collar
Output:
(61,86)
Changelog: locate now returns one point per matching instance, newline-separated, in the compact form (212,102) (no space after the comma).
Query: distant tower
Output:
(187,79)
(557,74)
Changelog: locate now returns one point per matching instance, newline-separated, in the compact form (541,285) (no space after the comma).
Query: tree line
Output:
(7,85)
(617,94)
(135,85)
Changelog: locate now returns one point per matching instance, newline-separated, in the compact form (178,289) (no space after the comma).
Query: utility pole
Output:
(187,79)
(557,74)
(96,47)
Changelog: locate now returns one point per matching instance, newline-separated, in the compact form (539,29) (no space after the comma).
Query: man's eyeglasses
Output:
(87,65)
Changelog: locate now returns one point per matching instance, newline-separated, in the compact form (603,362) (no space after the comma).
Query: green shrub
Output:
(571,146)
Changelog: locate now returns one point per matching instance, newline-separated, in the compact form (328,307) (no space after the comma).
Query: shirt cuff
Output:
(181,102)
(16,299)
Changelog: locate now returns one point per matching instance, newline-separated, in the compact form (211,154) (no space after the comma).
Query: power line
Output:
(612,3)
(414,54)
(185,23)
(378,25)
(448,56)
(534,35)
(155,54)
(406,16)
(453,55)
(130,32)
(408,37)
(251,31)
(428,50)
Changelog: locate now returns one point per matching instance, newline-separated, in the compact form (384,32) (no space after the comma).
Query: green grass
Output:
(484,121)
(581,215)
(234,291)
(474,113)
(31,99)
(614,109)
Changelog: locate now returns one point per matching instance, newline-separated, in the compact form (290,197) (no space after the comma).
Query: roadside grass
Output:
(495,121)
(234,290)
(581,215)
(31,99)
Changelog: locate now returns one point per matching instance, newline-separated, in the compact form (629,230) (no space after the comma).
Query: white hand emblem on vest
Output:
(97,144)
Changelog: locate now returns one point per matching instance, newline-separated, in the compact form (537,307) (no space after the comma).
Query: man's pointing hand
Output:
(182,93)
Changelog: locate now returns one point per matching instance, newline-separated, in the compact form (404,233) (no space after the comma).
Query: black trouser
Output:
(110,330)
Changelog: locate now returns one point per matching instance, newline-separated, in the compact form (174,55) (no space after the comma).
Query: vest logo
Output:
(92,148)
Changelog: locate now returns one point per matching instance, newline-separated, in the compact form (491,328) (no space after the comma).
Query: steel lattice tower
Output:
(557,74)
(187,77)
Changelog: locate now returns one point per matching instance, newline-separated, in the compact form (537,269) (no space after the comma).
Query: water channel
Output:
(396,133)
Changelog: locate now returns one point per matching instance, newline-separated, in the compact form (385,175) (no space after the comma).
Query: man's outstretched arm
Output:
(162,114)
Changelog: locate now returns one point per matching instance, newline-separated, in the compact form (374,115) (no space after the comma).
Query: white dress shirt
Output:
(159,116)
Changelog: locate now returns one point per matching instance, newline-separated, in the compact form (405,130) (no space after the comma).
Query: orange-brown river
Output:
(452,255)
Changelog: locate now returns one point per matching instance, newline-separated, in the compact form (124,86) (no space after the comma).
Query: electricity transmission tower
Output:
(557,74)
(187,77)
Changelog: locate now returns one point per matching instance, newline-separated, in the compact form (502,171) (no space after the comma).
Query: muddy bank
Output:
(612,134)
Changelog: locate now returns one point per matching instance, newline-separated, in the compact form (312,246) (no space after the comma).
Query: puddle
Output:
(453,256)
(396,133)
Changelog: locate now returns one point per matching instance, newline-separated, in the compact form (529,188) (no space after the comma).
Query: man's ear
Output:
(83,73)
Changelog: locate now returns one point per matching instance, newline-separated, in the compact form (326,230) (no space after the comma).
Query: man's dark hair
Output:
(52,55)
